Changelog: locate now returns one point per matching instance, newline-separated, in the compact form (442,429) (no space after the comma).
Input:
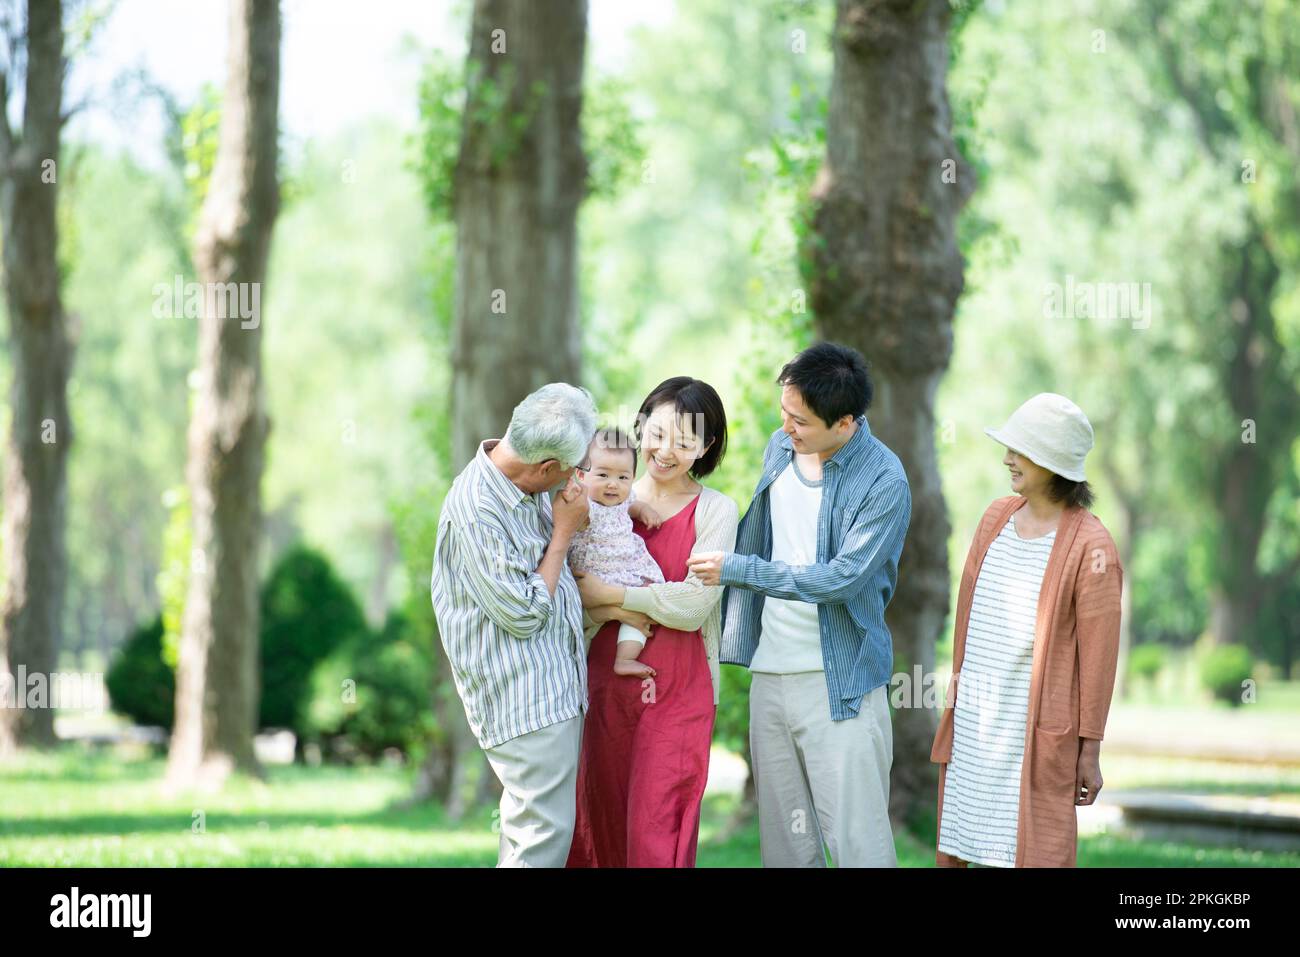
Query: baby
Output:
(606,546)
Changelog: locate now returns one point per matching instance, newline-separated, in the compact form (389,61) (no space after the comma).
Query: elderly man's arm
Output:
(513,595)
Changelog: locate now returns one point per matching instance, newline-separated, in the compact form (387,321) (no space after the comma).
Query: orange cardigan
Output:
(1076,644)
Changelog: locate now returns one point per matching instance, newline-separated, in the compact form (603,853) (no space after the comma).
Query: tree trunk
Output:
(885,275)
(40,434)
(217,682)
(520,177)
(1258,392)
(386,547)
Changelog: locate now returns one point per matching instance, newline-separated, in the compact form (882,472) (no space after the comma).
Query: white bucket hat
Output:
(1050,431)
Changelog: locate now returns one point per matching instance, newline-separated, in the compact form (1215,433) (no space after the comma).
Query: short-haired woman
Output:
(645,746)
(1035,644)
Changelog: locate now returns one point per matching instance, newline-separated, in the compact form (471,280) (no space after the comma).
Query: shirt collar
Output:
(506,491)
(846,451)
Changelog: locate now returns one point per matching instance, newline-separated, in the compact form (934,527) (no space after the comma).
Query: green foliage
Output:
(1092,164)
(437,142)
(1146,661)
(372,693)
(1223,671)
(307,613)
(200,134)
(140,685)
(174,576)
(126,394)
(609,130)
(611,137)
(783,326)
(498,113)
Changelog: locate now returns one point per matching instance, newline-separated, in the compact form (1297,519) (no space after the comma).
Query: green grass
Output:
(81,807)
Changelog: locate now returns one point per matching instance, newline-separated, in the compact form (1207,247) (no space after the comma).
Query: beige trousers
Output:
(538,772)
(820,780)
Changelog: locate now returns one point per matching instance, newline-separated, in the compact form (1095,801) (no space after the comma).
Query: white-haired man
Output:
(510,615)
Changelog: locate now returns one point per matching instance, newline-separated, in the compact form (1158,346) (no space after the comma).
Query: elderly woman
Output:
(645,744)
(1034,651)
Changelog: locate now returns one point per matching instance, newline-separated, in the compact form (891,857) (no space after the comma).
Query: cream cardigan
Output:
(690,604)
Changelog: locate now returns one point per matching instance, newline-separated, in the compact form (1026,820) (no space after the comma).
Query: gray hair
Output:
(555,422)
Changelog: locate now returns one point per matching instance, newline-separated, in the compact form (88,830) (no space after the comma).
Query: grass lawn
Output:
(81,807)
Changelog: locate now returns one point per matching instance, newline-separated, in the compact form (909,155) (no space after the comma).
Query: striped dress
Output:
(982,791)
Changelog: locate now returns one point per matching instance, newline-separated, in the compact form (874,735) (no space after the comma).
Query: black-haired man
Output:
(815,565)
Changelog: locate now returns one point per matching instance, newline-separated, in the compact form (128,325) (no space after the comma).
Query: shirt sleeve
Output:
(877,534)
(686,605)
(1097,618)
(513,595)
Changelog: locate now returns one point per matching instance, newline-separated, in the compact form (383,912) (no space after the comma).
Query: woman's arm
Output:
(1097,611)
(686,605)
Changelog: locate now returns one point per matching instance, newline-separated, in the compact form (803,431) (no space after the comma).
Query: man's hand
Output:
(1087,774)
(569,510)
(707,566)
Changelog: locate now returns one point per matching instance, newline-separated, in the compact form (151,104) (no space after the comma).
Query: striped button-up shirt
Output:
(865,510)
(517,653)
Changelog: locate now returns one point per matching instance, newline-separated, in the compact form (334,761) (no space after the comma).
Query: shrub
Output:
(140,684)
(1146,661)
(307,613)
(1223,669)
(373,693)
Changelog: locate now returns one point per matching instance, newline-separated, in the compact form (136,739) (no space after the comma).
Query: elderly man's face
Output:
(549,477)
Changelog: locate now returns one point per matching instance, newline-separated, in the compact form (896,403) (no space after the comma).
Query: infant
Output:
(606,546)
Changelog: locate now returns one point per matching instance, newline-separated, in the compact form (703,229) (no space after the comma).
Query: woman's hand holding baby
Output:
(603,613)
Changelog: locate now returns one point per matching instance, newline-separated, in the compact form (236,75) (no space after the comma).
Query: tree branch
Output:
(1212,123)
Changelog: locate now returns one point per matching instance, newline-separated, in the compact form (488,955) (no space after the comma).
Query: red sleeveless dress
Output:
(645,757)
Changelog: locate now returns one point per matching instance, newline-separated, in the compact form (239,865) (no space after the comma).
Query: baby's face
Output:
(609,480)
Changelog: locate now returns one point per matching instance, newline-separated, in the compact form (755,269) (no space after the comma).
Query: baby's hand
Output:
(644,514)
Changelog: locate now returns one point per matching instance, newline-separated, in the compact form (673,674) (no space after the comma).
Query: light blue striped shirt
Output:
(517,653)
(866,507)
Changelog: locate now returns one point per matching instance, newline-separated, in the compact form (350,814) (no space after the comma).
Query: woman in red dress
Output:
(645,743)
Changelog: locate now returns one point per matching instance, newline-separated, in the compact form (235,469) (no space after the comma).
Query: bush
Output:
(307,613)
(140,684)
(1146,661)
(373,693)
(1223,669)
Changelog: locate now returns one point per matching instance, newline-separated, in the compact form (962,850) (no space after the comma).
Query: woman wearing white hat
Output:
(1035,644)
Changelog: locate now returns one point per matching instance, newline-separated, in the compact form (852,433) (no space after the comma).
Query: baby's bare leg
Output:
(630,643)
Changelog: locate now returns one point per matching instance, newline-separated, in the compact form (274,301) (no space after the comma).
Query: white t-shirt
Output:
(790,638)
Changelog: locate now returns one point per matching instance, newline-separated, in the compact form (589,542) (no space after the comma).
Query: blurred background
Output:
(274,689)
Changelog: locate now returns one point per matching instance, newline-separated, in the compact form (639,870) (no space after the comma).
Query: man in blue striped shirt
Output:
(510,616)
(815,565)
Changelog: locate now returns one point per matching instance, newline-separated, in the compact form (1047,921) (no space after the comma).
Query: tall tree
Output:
(519,178)
(885,273)
(40,434)
(217,677)
(1244,104)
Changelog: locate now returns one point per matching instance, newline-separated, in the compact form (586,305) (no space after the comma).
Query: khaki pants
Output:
(538,772)
(820,780)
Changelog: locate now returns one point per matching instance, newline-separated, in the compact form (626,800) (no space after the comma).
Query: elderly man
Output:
(510,615)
